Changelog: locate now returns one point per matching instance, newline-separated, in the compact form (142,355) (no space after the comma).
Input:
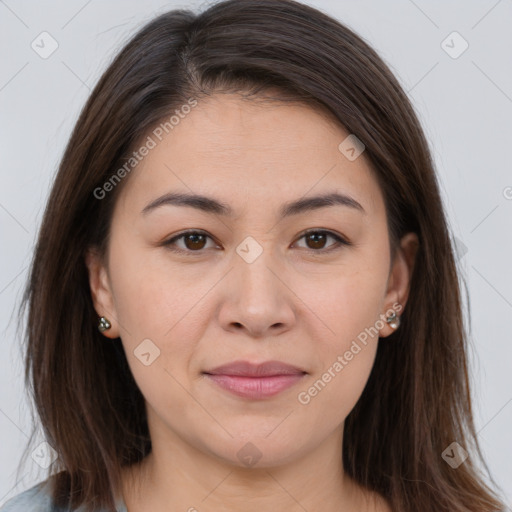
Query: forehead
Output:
(235,149)
(240,127)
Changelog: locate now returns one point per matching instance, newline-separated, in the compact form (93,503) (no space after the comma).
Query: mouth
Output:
(255,381)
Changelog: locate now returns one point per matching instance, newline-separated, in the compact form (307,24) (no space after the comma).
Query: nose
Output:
(258,299)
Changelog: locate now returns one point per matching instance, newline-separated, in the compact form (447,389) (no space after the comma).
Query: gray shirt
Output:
(37,499)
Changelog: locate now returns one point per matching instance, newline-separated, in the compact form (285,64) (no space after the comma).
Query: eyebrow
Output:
(214,206)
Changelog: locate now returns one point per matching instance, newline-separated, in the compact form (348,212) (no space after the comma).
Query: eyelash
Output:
(339,241)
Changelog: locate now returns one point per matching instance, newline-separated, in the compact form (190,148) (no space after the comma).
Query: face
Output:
(309,288)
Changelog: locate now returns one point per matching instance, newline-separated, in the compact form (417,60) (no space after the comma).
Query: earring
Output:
(393,320)
(104,324)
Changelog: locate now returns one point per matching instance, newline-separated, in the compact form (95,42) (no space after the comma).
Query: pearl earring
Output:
(104,324)
(393,320)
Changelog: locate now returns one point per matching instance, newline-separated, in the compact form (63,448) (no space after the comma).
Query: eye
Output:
(195,241)
(318,238)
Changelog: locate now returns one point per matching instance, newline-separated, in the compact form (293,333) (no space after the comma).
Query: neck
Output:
(178,476)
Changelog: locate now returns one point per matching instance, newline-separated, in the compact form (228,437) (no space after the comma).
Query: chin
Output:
(257,451)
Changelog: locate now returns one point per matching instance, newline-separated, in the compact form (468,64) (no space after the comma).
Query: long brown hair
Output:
(417,400)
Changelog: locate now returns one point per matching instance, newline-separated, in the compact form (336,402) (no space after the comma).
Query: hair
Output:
(417,399)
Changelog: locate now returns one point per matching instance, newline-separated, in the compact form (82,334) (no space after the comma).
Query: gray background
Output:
(464,103)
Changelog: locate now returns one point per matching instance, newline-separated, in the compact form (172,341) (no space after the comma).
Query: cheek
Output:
(156,335)
(346,360)
(334,392)
(346,303)
(150,298)
(350,308)
(160,316)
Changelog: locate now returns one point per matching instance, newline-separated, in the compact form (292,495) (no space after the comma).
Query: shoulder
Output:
(34,499)
(38,499)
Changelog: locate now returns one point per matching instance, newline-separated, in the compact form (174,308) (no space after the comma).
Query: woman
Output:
(244,293)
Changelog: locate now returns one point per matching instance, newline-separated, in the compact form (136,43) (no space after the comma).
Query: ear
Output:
(101,291)
(399,280)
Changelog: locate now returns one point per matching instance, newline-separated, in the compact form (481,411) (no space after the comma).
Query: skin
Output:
(211,307)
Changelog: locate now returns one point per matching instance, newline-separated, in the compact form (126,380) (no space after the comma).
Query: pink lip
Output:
(255,380)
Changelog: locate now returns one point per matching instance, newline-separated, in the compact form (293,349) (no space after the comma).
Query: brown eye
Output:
(316,240)
(193,241)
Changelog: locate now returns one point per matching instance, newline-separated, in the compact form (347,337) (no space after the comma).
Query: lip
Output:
(248,369)
(255,381)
